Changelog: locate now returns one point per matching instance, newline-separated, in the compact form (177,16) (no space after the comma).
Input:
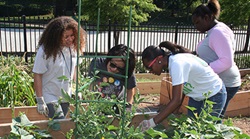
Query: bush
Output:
(36,9)
(16,85)
(10,10)
(243,61)
(24,8)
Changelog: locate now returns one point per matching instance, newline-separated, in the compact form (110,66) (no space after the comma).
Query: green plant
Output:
(243,61)
(84,66)
(245,81)
(98,117)
(139,68)
(16,85)
(202,126)
(22,128)
(147,80)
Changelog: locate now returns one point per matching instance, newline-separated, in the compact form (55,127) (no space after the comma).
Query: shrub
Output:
(10,10)
(243,61)
(16,85)
(36,9)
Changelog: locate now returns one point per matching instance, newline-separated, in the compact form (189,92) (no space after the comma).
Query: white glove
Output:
(129,107)
(79,95)
(41,106)
(146,124)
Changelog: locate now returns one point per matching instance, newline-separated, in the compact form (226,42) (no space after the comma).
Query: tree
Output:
(176,9)
(65,7)
(118,11)
(235,12)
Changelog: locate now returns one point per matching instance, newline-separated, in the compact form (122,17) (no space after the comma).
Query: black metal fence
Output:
(20,36)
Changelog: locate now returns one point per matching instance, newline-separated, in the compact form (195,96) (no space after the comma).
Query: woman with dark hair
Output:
(191,76)
(116,85)
(218,47)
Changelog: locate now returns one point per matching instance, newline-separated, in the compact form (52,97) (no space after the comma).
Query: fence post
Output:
(247,37)
(109,36)
(176,32)
(25,38)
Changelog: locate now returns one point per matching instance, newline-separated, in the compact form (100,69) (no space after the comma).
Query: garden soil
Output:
(152,101)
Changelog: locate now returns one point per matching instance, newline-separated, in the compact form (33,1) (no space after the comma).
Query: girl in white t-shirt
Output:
(56,57)
(191,76)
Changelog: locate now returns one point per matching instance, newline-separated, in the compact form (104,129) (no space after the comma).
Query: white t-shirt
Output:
(196,75)
(51,85)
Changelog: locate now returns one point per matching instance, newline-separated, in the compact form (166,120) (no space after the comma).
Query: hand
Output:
(41,106)
(79,96)
(146,124)
(129,107)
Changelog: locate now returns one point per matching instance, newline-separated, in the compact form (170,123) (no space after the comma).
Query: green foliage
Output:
(27,7)
(16,85)
(11,10)
(139,68)
(36,9)
(118,11)
(98,117)
(243,61)
(246,81)
(230,8)
(95,116)
(84,66)
(202,126)
(22,128)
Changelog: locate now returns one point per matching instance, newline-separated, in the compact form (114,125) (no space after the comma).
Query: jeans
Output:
(219,99)
(57,111)
(231,91)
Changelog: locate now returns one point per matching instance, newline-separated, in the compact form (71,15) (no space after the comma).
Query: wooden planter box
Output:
(238,106)
(42,122)
(149,87)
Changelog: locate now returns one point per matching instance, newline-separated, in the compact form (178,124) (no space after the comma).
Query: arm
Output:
(130,95)
(174,103)
(41,106)
(38,84)
(222,44)
(74,75)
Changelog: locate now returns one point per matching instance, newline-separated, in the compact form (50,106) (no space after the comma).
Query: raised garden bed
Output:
(42,122)
(239,106)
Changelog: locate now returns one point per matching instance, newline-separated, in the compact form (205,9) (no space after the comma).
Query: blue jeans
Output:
(219,99)
(61,112)
(231,91)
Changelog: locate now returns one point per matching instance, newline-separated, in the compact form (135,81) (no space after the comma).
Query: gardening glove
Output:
(146,124)
(129,107)
(41,106)
(79,95)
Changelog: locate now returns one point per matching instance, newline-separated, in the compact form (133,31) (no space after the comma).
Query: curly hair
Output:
(51,38)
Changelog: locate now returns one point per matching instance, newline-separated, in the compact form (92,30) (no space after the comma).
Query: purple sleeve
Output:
(222,44)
